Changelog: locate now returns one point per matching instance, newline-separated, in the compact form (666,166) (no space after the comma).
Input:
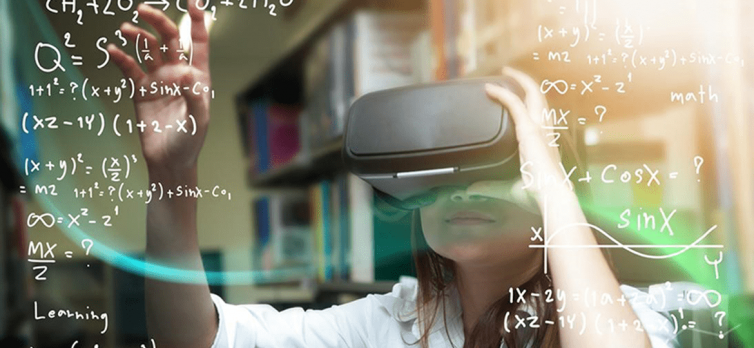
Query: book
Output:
(421,57)
(467,36)
(261,144)
(330,218)
(283,237)
(450,13)
(250,139)
(317,86)
(437,31)
(335,229)
(326,263)
(369,51)
(341,78)
(320,220)
(315,213)
(274,134)
(291,234)
(382,49)
(282,133)
(262,246)
(339,227)
(344,243)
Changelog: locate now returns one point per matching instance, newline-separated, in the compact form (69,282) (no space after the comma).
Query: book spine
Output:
(450,21)
(251,139)
(316,223)
(437,29)
(261,142)
(283,133)
(335,228)
(383,49)
(338,78)
(262,224)
(349,66)
(326,231)
(467,36)
(362,230)
(345,240)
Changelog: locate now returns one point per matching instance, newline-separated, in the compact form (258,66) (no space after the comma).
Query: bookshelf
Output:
(308,292)
(298,80)
(302,169)
(294,55)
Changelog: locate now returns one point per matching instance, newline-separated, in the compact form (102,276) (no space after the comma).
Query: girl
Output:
(476,261)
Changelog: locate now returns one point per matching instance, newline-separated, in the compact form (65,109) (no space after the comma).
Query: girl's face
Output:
(475,227)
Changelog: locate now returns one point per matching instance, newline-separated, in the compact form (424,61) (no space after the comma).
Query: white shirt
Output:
(376,321)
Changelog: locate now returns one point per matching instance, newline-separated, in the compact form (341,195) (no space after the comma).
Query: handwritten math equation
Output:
(82,8)
(674,296)
(99,123)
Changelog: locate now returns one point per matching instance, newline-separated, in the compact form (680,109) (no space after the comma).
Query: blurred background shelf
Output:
(380,287)
(303,169)
(306,290)
(336,11)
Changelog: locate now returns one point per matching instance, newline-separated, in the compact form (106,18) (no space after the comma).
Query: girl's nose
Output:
(463,196)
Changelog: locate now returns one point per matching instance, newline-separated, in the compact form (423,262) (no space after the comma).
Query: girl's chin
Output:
(462,222)
(478,255)
(470,245)
(474,232)
(469,248)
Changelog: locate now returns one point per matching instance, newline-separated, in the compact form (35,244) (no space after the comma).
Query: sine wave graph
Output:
(631,248)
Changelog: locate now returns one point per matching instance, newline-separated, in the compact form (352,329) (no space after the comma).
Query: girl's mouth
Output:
(469,217)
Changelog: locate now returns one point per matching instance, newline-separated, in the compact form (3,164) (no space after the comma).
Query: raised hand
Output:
(171,151)
(539,159)
(572,267)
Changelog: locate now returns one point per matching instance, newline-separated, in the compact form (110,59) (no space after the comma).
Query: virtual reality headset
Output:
(411,142)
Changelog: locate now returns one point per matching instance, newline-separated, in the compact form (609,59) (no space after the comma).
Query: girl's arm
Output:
(178,314)
(571,269)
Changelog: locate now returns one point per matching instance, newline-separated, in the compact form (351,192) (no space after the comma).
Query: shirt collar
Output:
(401,305)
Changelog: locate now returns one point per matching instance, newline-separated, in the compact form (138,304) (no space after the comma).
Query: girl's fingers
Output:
(168,31)
(197,103)
(532,146)
(126,63)
(526,129)
(135,33)
(534,101)
(199,36)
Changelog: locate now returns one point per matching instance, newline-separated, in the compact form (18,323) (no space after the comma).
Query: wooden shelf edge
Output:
(379,287)
(299,169)
(333,287)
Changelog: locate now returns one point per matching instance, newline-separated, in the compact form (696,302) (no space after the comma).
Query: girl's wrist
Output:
(171,176)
